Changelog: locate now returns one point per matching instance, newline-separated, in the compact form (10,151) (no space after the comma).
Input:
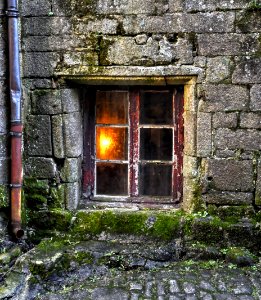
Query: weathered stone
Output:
(38,133)
(247,71)
(258,185)
(2,93)
(228,44)
(4,170)
(46,102)
(190,166)
(209,5)
(40,167)
(141,39)
(3,63)
(70,100)
(48,43)
(228,198)
(104,26)
(200,61)
(230,175)
(255,96)
(245,139)
(71,170)
(190,133)
(125,7)
(36,7)
(176,5)
(3,119)
(180,22)
(58,138)
(72,195)
(3,145)
(224,97)
(44,26)
(250,120)
(40,64)
(225,120)
(73,137)
(248,20)
(42,83)
(219,69)
(204,134)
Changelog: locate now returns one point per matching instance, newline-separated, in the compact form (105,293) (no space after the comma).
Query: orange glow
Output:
(111,143)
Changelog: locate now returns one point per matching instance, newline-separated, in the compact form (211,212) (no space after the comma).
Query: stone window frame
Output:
(134,127)
(191,176)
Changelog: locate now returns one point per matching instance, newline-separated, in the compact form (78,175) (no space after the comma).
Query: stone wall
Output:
(216,43)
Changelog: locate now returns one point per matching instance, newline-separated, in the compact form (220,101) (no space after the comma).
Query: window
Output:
(133,145)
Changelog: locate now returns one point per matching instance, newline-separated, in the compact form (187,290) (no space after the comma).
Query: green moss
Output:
(4,196)
(104,45)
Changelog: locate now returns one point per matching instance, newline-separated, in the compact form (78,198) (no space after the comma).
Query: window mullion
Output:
(134,142)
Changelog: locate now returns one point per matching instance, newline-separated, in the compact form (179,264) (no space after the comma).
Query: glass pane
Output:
(111,143)
(155,180)
(156,108)
(111,179)
(156,144)
(111,107)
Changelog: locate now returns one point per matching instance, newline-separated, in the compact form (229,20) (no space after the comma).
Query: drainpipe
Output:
(16,120)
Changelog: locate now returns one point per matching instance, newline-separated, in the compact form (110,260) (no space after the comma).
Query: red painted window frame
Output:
(134,98)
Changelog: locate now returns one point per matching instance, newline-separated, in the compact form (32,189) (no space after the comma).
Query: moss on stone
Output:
(4,197)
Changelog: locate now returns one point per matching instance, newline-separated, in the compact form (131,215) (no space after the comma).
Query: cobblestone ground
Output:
(175,283)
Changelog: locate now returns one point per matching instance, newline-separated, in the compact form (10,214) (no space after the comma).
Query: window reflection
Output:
(111,143)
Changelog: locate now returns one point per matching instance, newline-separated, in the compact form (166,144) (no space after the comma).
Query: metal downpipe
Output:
(16,129)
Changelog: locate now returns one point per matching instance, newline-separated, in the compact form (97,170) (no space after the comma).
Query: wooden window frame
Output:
(89,145)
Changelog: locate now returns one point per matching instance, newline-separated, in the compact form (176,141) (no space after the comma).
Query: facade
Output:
(77,57)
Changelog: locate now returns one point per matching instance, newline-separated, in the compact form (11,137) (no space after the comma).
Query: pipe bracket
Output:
(12,13)
(15,185)
(15,133)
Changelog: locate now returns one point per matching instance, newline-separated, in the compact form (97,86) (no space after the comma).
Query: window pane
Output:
(111,179)
(155,180)
(156,108)
(156,144)
(112,107)
(111,143)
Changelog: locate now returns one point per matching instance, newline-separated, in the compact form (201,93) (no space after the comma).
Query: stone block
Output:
(250,120)
(244,139)
(72,195)
(4,170)
(46,102)
(3,94)
(190,133)
(36,83)
(38,136)
(35,7)
(224,97)
(45,26)
(228,198)
(218,22)
(49,43)
(225,120)
(70,100)
(40,64)
(255,96)
(227,44)
(58,138)
(176,5)
(204,134)
(230,175)
(258,184)
(210,5)
(73,136)
(247,71)
(71,171)
(248,21)
(40,167)
(104,26)
(3,119)
(190,166)
(3,145)
(125,7)
(3,70)
(219,69)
